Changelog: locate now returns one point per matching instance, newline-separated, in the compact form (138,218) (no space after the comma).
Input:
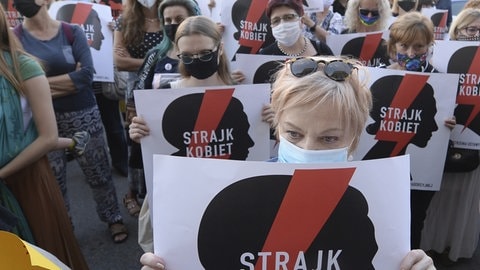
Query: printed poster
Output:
(247,28)
(93,19)
(369,48)
(408,115)
(439,20)
(463,57)
(224,214)
(115,5)
(13,16)
(259,68)
(215,122)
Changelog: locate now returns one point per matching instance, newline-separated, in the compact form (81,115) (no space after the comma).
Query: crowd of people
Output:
(50,113)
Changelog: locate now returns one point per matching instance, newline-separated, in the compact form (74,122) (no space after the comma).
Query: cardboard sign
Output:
(224,214)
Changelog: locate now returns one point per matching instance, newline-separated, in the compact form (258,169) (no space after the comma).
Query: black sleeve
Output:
(322,48)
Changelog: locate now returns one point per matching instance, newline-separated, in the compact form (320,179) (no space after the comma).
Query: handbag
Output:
(460,160)
(116,90)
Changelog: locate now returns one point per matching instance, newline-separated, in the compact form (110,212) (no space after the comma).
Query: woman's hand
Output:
(417,259)
(451,122)
(138,129)
(268,114)
(238,76)
(152,262)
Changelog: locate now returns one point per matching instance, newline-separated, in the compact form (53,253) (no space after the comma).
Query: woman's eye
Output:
(293,134)
(330,139)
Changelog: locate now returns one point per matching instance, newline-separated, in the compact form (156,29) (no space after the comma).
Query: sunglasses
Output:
(365,12)
(286,18)
(471,30)
(204,56)
(337,70)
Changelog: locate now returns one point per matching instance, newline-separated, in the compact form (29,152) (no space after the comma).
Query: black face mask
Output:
(202,70)
(406,5)
(171,30)
(27,8)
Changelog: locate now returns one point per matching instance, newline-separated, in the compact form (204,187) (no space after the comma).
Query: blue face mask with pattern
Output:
(368,20)
(290,153)
(411,63)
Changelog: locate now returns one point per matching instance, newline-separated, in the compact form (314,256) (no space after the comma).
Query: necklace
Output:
(294,54)
(151,20)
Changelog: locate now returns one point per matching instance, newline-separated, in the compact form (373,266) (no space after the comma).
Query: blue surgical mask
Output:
(290,153)
(411,63)
(368,20)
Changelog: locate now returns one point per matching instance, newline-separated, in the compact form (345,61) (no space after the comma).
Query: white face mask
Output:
(287,33)
(147,3)
(290,153)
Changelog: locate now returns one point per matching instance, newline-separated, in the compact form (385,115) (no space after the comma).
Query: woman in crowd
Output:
(70,70)
(203,62)
(409,46)
(286,20)
(367,16)
(138,31)
(339,104)
(163,58)
(452,226)
(323,23)
(28,131)
(410,43)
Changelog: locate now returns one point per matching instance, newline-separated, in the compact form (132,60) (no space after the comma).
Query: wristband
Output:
(313,28)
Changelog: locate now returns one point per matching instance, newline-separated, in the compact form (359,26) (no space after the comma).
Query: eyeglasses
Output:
(471,30)
(337,70)
(286,18)
(365,12)
(204,56)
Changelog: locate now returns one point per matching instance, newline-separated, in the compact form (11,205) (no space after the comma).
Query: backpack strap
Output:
(67,29)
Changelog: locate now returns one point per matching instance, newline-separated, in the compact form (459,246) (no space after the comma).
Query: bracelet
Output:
(313,28)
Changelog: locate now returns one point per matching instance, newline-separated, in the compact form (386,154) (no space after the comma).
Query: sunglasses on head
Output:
(365,12)
(337,70)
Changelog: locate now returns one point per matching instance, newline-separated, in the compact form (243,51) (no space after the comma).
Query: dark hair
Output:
(293,4)
(190,5)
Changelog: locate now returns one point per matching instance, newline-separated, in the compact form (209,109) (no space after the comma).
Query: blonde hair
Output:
(472,4)
(410,27)
(463,19)
(352,18)
(202,25)
(351,99)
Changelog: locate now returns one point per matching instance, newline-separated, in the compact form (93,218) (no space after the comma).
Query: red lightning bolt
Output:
(471,100)
(299,218)
(255,12)
(443,21)
(370,45)
(80,15)
(213,107)
(408,90)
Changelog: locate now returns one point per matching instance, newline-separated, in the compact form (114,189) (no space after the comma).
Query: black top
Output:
(273,49)
(338,7)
